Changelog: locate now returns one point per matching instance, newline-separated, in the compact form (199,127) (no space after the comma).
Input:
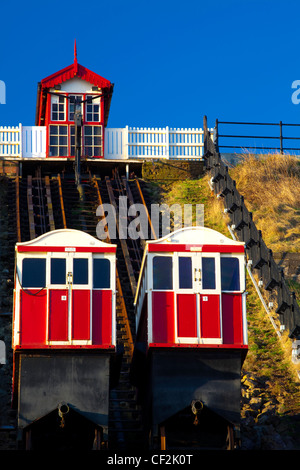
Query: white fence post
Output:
(167,143)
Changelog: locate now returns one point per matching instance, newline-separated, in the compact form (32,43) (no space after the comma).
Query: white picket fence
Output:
(23,141)
(120,143)
(166,143)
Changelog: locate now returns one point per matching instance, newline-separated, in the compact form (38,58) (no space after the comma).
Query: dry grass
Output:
(196,192)
(271,187)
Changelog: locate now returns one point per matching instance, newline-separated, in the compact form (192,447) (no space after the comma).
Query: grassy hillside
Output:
(271,187)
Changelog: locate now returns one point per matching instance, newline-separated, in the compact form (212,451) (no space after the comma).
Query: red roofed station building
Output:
(74,87)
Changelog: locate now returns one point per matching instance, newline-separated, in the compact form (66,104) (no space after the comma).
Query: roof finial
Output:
(75,52)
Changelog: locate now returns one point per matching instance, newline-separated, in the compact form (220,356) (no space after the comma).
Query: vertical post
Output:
(20,141)
(126,143)
(167,143)
(216,136)
(281,138)
(205,133)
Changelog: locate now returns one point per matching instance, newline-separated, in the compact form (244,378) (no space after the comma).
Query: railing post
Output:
(167,143)
(281,138)
(20,140)
(216,135)
(205,134)
(125,143)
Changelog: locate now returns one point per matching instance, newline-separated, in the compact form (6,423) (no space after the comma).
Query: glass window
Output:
(80,271)
(230,274)
(74,103)
(185,273)
(58,141)
(34,272)
(208,273)
(92,109)
(162,272)
(72,141)
(57,108)
(58,271)
(101,273)
(93,141)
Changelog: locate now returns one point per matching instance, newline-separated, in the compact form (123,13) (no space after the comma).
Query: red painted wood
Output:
(232,320)
(196,345)
(33,317)
(186,315)
(81,314)
(163,321)
(210,316)
(174,247)
(58,315)
(66,249)
(70,72)
(102,317)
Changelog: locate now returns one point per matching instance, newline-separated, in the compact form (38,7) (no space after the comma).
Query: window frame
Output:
(240,276)
(58,135)
(92,136)
(59,97)
(92,100)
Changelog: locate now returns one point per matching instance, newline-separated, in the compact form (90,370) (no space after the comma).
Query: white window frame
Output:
(94,100)
(55,99)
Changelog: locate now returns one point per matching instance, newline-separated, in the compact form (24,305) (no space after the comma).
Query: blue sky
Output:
(171,62)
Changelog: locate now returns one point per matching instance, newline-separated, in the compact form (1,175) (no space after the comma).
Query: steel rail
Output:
(18,221)
(61,201)
(49,203)
(32,231)
(129,267)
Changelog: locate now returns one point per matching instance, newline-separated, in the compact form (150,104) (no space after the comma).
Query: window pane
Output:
(80,271)
(185,273)
(58,271)
(208,273)
(34,272)
(63,151)
(54,151)
(101,273)
(230,274)
(162,272)
(53,140)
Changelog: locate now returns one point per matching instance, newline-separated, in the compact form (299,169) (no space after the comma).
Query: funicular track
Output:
(52,202)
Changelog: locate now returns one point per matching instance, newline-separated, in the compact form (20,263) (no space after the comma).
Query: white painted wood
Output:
(161,143)
(10,141)
(120,143)
(34,142)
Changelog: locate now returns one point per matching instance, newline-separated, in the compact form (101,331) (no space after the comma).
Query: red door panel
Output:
(58,315)
(186,315)
(232,320)
(80,314)
(33,317)
(102,317)
(210,316)
(163,322)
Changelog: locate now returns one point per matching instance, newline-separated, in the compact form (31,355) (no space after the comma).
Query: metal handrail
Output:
(281,138)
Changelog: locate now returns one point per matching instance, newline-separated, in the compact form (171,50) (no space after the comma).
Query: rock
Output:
(256,403)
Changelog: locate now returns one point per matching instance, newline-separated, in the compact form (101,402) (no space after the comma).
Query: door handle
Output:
(195,275)
(70,278)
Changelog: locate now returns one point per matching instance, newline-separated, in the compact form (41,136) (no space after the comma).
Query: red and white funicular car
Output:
(64,334)
(191,324)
